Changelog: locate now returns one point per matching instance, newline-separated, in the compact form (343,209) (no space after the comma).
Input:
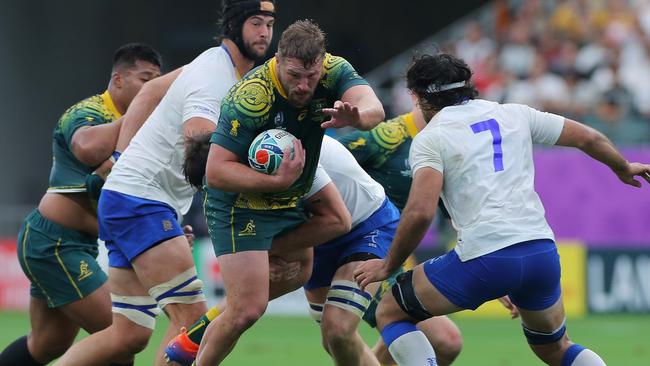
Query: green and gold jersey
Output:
(258,103)
(68,174)
(383,153)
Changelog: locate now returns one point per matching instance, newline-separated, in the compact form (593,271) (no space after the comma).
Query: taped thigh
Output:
(186,288)
(347,295)
(406,298)
(141,310)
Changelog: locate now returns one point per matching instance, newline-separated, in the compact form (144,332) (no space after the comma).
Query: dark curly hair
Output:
(197,149)
(429,72)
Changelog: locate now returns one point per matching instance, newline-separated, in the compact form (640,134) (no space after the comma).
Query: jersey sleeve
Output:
(340,75)
(72,121)
(359,144)
(321,179)
(244,110)
(201,95)
(425,153)
(545,128)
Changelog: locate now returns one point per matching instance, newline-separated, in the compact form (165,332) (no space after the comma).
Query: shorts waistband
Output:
(38,221)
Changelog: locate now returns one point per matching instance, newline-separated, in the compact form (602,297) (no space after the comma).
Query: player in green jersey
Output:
(57,244)
(246,209)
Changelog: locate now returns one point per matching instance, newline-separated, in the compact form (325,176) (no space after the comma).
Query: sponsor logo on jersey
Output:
(279,120)
(249,230)
(84,271)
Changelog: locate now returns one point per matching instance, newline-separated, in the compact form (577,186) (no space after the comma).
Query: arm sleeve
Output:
(545,128)
(321,179)
(425,153)
(201,95)
(242,116)
(340,75)
(70,123)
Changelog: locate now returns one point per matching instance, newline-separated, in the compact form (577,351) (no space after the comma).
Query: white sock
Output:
(587,357)
(413,349)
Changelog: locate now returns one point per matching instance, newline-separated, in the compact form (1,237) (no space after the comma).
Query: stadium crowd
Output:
(586,59)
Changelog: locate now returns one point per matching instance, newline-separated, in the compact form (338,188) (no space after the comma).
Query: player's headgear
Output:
(235,13)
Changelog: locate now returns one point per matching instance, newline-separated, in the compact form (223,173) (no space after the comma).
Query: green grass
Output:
(620,339)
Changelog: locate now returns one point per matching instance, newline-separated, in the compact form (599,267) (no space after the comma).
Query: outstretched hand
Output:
(343,114)
(373,270)
(633,170)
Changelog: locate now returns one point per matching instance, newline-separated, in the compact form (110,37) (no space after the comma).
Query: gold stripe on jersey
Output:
(108,102)
(273,64)
(409,122)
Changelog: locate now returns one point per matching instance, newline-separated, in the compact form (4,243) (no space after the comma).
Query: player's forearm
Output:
(412,227)
(317,230)
(232,176)
(371,112)
(93,145)
(143,105)
(599,147)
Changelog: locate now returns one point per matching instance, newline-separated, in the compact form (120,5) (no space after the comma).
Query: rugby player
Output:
(483,151)
(245,209)
(57,243)
(151,265)
(383,153)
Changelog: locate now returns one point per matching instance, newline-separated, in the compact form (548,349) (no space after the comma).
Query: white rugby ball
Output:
(266,150)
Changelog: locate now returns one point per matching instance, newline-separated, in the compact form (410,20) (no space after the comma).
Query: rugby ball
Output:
(266,150)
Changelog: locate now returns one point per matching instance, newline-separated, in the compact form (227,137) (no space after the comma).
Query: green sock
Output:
(196,331)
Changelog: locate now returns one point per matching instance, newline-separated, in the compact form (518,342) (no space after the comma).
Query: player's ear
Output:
(116,79)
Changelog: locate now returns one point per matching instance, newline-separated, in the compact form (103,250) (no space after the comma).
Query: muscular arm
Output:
(92,145)
(143,105)
(416,217)
(224,171)
(371,111)
(599,147)
(330,220)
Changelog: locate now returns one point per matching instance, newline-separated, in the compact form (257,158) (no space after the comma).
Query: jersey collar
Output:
(273,64)
(108,102)
(411,128)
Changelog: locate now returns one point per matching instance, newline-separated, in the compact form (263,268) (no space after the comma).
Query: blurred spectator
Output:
(474,48)
(518,54)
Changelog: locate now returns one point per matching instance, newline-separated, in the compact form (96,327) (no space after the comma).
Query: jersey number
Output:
(493,126)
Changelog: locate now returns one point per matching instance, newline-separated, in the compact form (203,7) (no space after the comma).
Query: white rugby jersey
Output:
(362,194)
(151,166)
(484,151)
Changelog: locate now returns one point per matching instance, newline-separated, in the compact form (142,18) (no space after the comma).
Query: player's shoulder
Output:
(390,134)
(253,96)
(336,68)
(93,109)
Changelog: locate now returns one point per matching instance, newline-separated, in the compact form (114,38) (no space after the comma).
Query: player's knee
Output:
(337,331)
(133,341)
(46,350)
(548,346)
(449,346)
(185,288)
(245,317)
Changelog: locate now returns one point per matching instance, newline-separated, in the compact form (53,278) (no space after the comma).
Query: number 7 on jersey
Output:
(493,126)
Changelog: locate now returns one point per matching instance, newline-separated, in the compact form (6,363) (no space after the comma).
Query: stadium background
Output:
(587,59)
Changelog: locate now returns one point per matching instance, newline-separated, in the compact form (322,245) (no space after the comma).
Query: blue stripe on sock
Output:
(395,330)
(571,354)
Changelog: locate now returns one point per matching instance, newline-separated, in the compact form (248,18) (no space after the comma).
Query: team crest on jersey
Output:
(84,271)
(249,230)
(279,120)
(234,128)
(167,225)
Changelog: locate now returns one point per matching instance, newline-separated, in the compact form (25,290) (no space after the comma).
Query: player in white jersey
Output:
(477,157)
(151,265)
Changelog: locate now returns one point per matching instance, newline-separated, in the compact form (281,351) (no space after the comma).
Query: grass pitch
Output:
(288,341)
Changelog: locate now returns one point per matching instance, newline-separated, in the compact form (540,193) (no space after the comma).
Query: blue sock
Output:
(571,354)
(395,330)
